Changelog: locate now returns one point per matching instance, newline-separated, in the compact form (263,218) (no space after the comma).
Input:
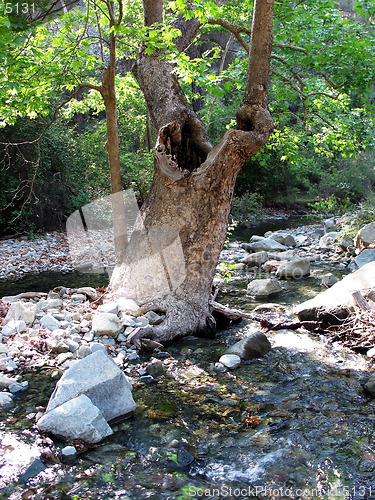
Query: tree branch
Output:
(291,47)
(233,28)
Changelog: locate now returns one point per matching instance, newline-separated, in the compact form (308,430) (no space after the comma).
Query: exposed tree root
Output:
(358,331)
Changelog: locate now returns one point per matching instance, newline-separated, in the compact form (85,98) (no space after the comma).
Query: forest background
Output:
(53,134)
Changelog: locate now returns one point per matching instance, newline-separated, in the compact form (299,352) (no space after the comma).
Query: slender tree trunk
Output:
(185,219)
(108,91)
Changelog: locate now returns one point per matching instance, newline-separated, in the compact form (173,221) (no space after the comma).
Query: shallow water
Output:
(294,424)
(44,282)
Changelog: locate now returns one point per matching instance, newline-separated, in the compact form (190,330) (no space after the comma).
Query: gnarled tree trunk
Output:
(186,216)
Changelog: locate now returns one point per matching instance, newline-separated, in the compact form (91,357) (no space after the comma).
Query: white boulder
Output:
(49,322)
(365,236)
(335,302)
(264,287)
(100,379)
(78,418)
(106,324)
(284,238)
(21,311)
(295,269)
(255,259)
(266,245)
(329,239)
(14,326)
(231,361)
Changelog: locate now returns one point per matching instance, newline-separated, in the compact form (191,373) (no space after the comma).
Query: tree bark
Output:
(185,219)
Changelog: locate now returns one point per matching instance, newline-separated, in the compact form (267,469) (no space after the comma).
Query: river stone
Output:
(128,305)
(328,280)
(255,259)
(263,287)
(78,418)
(78,297)
(272,265)
(6,400)
(155,367)
(255,346)
(109,307)
(153,318)
(256,237)
(68,452)
(106,324)
(14,326)
(329,225)
(35,468)
(21,311)
(246,246)
(329,239)
(287,255)
(97,346)
(267,245)
(345,243)
(231,361)
(5,381)
(98,377)
(44,305)
(49,322)
(295,269)
(370,386)
(284,238)
(337,301)
(367,255)
(365,236)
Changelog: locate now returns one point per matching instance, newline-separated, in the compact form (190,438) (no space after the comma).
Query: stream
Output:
(294,424)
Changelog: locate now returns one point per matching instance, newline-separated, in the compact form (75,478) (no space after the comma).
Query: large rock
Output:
(329,225)
(288,255)
(78,418)
(255,259)
(285,239)
(337,301)
(44,305)
(365,257)
(329,239)
(21,311)
(6,400)
(99,378)
(295,269)
(14,326)
(106,324)
(263,287)
(255,346)
(365,236)
(266,245)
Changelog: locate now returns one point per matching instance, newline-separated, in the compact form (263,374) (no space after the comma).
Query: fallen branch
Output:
(236,315)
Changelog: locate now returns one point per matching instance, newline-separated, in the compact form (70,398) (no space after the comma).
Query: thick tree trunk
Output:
(171,262)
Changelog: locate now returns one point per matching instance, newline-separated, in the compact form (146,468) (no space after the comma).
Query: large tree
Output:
(172,255)
(193,183)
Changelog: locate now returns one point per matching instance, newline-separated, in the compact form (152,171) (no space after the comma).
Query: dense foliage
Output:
(321,99)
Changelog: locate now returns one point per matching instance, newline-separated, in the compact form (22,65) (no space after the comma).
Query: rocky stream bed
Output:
(296,423)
